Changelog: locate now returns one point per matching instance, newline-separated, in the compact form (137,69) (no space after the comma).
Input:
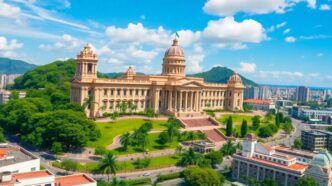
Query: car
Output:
(146,174)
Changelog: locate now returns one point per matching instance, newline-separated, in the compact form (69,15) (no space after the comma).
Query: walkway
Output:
(104,120)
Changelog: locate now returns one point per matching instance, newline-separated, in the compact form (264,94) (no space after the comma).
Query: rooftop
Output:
(296,152)
(11,155)
(294,167)
(72,180)
(35,174)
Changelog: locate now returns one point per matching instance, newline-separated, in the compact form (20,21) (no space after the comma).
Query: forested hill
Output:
(221,75)
(11,66)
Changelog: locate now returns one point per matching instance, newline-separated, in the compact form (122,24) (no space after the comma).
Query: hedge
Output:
(170,176)
(139,181)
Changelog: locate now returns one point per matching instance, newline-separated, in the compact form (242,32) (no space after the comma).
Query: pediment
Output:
(192,85)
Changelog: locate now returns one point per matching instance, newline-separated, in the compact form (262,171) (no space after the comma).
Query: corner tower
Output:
(235,93)
(86,64)
(174,62)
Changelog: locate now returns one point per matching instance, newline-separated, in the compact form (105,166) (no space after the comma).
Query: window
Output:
(136,92)
(105,92)
(125,92)
(118,92)
(48,184)
(112,92)
(33,169)
(148,92)
(130,92)
(89,68)
(143,92)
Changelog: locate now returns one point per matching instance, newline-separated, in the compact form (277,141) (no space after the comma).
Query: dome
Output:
(323,159)
(235,79)
(174,50)
(87,53)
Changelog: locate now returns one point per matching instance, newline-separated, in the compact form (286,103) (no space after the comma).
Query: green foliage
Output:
(108,165)
(14,95)
(11,66)
(221,75)
(125,140)
(190,157)
(196,176)
(297,143)
(244,128)
(56,148)
(163,138)
(170,176)
(100,150)
(69,165)
(229,126)
(256,120)
(279,119)
(247,107)
(2,136)
(139,181)
(269,182)
(215,157)
(142,163)
(228,148)
(267,131)
(306,181)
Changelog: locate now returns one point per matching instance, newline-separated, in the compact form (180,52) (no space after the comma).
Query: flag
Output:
(177,35)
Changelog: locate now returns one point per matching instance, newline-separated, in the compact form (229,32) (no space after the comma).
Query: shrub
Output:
(164,177)
(69,165)
(100,150)
(139,181)
(56,148)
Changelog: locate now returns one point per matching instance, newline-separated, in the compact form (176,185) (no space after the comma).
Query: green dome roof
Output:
(323,159)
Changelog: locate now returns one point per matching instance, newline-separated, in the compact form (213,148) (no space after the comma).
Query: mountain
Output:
(12,66)
(221,75)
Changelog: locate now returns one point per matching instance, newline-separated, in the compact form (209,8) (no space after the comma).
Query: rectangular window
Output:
(125,92)
(130,92)
(89,68)
(105,92)
(112,92)
(148,92)
(136,92)
(119,92)
(143,92)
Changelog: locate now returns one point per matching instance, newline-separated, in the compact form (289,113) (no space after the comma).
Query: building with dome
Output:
(171,92)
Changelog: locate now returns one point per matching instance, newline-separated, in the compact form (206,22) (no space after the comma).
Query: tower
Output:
(235,93)
(86,68)
(174,61)
(248,146)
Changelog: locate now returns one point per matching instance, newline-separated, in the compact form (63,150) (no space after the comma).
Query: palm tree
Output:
(191,136)
(125,140)
(130,106)
(190,157)
(172,130)
(88,102)
(108,165)
(117,182)
(134,107)
(228,148)
(179,149)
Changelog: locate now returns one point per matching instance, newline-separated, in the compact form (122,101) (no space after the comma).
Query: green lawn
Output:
(152,146)
(156,162)
(111,129)
(235,117)
(237,121)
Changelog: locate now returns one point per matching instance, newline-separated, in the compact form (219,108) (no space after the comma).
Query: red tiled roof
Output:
(267,147)
(34,174)
(73,180)
(258,101)
(295,166)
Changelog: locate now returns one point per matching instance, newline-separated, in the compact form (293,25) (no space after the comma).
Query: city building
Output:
(261,161)
(44,178)
(284,104)
(315,114)
(5,94)
(7,79)
(316,140)
(171,92)
(264,93)
(258,104)
(251,93)
(302,94)
(17,160)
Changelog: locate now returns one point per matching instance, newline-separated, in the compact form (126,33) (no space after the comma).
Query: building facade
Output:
(302,94)
(7,79)
(171,92)
(258,104)
(316,140)
(5,94)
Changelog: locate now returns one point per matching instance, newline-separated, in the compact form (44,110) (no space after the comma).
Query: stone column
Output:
(191,100)
(176,100)
(180,106)
(169,100)
(186,101)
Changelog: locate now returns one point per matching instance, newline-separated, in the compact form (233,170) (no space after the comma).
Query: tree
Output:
(190,157)
(191,136)
(306,181)
(14,95)
(215,157)
(123,107)
(163,138)
(228,148)
(196,176)
(244,128)
(229,126)
(2,136)
(172,130)
(114,116)
(297,143)
(329,128)
(247,107)
(56,148)
(288,127)
(265,132)
(269,115)
(88,102)
(125,140)
(256,120)
(269,182)
(279,119)
(108,165)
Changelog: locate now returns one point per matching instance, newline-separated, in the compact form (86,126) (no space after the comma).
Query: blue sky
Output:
(269,41)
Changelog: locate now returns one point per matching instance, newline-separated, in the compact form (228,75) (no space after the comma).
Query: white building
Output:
(45,178)
(17,159)
(258,104)
(7,79)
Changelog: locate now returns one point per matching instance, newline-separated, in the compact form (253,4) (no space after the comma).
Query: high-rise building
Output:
(7,79)
(251,93)
(302,94)
(264,93)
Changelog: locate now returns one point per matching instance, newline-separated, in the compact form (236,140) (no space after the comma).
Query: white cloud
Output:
(290,39)
(324,7)
(280,74)
(246,67)
(146,56)
(195,59)
(320,54)
(231,7)
(66,42)
(312,4)
(286,31)
(7,47)
(274,27)
(8,10)
(314,75)
(314,37)
(227,32)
